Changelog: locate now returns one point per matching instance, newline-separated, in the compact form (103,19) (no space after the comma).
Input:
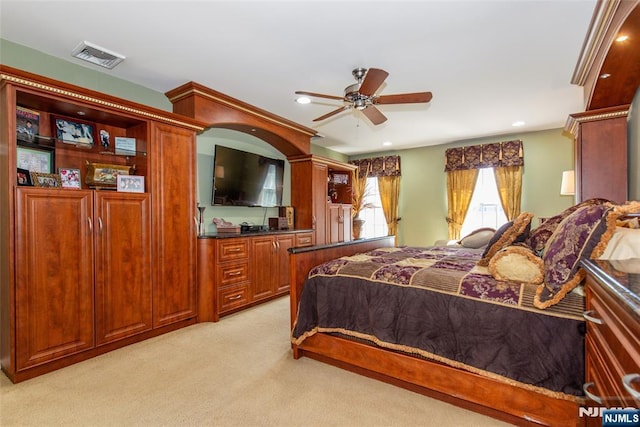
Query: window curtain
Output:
(509,182)
(389,187)
(505,157)
(460,186)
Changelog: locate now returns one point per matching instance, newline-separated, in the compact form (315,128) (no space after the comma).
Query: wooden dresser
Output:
(236,271)
(612,342)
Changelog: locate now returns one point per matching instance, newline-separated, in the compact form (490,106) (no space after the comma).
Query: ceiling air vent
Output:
(97,55)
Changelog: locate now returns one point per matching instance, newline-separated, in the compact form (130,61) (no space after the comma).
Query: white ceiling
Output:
(487,63)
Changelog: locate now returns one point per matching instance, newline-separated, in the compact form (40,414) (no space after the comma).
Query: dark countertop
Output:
(216,235)
(621,278)
(334,245)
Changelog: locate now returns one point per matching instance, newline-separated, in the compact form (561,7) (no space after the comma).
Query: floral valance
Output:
(378,166)
(506,153)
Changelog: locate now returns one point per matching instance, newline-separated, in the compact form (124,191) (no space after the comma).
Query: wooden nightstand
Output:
(612,343)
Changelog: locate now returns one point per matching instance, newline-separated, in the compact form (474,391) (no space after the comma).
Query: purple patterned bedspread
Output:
(436,303)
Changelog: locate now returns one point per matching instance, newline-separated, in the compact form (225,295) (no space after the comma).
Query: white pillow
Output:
(478,238)
(624,244)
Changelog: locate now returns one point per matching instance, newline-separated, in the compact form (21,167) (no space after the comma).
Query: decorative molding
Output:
(239,105)
(91,99)
(574,120)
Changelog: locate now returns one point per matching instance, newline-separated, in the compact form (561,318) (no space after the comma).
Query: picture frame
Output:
(130,183)
(24,178)
(125,146)
(46,180)
(70,178)
(27,124)
(34,160)
(104,175)
(73,131)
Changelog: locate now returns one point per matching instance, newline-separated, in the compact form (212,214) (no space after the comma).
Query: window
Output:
(485,209)
(267,195)
(375,223)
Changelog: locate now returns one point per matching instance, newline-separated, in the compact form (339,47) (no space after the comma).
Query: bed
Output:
(434,320)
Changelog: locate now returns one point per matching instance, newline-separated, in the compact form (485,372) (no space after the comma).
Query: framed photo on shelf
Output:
(130,183)
(70,178)
(24,177)
(73,131)
(27,124)
(48,180)
(34,160)
(125,146)
(102,175)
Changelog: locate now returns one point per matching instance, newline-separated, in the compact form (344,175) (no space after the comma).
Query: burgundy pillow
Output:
(575,238)
(539,236)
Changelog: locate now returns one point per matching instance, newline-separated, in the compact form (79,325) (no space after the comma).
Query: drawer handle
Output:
(307,240)
(234,250)
(590,395)
(235,297)
(588,316)
(234,273)
(626,382)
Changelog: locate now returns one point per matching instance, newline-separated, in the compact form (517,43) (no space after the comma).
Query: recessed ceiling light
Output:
(518,123)
(622,38)
(605,75)
(303,100)
(387,143)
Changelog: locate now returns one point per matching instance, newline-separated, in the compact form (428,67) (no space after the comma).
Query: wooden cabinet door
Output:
(283,243)
(334,227)
(346,223)
(319,195)
(263,266)
(601,155)
(123,265)
(54,274)
(173,189)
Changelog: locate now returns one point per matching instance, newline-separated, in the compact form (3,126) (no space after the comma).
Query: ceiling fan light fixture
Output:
(303,100)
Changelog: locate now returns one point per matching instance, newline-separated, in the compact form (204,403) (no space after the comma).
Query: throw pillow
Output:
(512,232)
(582,234)
(517,264)
(539,236)
(477,238)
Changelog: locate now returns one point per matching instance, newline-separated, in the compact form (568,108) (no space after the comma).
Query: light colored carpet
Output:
(237,372)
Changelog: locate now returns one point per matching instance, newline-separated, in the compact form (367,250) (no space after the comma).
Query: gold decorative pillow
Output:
(517,264)
(515,231)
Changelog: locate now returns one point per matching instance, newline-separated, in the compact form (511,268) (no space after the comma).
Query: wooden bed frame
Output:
(471,391)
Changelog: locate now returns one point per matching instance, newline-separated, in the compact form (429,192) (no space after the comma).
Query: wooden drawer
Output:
(613,345)
(232,249)
(232,297)
(304,239)
(228,274)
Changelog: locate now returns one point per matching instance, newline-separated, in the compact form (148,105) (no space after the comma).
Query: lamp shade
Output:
(568,186)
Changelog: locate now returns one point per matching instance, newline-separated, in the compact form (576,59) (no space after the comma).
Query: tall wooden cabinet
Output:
(311,198)
(601,154)
(85,271)
(173,162)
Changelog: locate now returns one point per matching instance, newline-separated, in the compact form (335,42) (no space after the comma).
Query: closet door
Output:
(173,190)
(54,275)
(123,265)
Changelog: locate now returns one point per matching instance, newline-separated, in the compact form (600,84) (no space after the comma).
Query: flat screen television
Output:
(241,178)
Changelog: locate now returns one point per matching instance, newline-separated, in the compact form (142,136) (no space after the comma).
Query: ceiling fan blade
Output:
(332,113)
(404,98)
(319,95)
(374,115)
(372,81)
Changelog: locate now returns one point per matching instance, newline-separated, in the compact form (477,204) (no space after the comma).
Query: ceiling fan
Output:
(361,96)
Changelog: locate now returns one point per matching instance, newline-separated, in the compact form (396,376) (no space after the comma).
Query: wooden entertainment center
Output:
(87,270)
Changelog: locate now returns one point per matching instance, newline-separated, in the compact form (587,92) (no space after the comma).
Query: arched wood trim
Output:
(219,110)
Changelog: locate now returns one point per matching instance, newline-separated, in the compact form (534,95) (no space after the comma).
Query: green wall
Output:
(91,76)
(423,197)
